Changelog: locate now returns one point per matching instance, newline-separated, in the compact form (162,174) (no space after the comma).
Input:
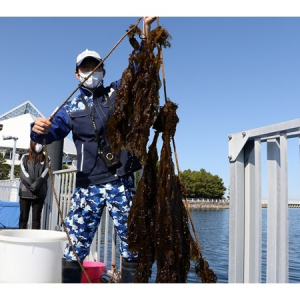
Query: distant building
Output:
(16,123)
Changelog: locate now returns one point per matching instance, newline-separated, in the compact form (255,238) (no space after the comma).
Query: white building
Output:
(16,123)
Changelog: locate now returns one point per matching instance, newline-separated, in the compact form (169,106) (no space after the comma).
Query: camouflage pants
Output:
(85,213)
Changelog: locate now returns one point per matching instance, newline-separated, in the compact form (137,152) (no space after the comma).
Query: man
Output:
(99,180)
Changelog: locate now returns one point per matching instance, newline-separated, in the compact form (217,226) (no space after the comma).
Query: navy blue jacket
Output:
(91,169)
(33,178)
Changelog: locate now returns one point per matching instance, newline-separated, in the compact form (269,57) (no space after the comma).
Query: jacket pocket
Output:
(87,156)
(81,125)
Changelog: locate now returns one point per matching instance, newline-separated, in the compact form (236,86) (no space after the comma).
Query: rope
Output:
(175,152)
(46,151)
(185,200)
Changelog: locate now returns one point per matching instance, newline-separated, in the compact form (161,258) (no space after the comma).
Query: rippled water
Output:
(213,233)
(212,227)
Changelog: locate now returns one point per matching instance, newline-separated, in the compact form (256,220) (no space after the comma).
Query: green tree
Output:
(16,171)
(203,184)
(65,167)
(4,168)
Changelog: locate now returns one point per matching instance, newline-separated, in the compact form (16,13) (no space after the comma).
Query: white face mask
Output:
(93,80)
(38,148)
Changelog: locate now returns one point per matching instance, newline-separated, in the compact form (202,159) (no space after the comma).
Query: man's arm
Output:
(56,130)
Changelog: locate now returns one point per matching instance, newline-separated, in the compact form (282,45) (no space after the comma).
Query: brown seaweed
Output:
(203,271)
(158,223)
(137,100)
(174,244)
(158,220)
(140,221)
(171,221)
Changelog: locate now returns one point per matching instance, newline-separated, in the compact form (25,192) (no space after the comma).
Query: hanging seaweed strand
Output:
(171,222)
(137,100)
(140,221)
(174,244)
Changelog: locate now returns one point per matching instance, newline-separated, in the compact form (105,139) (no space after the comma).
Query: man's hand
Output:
(41,126)
(147,24)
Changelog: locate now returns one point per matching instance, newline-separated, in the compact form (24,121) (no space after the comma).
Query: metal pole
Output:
(55,151)
(13,159)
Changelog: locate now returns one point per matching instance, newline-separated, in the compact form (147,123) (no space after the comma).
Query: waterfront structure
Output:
(245,225)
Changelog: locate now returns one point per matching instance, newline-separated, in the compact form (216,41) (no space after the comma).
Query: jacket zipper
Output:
(82,156)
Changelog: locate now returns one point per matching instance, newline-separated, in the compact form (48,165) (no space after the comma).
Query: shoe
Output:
(71,271)
(128,271)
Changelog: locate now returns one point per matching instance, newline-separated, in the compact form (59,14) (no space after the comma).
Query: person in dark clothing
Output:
(33,185)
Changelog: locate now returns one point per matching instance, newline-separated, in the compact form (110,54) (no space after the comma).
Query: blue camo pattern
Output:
(85,213)
(76,104)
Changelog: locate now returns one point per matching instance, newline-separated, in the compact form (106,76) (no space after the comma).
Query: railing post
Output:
(236,220)
(277,224)
(253,213)
(54,211)
(284,214)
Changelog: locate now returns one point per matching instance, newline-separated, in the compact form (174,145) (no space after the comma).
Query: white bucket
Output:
(31,256)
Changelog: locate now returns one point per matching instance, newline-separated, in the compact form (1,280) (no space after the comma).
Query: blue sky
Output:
(226,73)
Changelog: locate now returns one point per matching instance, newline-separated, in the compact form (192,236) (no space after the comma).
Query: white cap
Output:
(85,54)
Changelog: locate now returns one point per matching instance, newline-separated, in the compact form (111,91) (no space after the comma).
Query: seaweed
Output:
(171,221)
(140,221)
(158,222)
(137,100)
(203,271)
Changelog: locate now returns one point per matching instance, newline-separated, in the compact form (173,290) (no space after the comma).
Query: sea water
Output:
(212,228)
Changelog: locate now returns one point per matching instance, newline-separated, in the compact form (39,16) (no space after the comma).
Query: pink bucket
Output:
(94,270)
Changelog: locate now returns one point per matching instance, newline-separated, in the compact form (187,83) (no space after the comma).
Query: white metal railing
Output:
(245,223)
(9,190)
(104,245)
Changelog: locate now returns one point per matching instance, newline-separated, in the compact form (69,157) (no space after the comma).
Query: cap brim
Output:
(79,63)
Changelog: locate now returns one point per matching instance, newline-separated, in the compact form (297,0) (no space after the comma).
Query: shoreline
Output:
(208,205)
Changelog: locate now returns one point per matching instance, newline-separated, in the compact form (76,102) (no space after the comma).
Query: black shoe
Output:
(71,271)
(105,278)
(128,271)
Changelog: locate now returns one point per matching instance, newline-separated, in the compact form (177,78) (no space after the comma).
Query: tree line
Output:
(202,184)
